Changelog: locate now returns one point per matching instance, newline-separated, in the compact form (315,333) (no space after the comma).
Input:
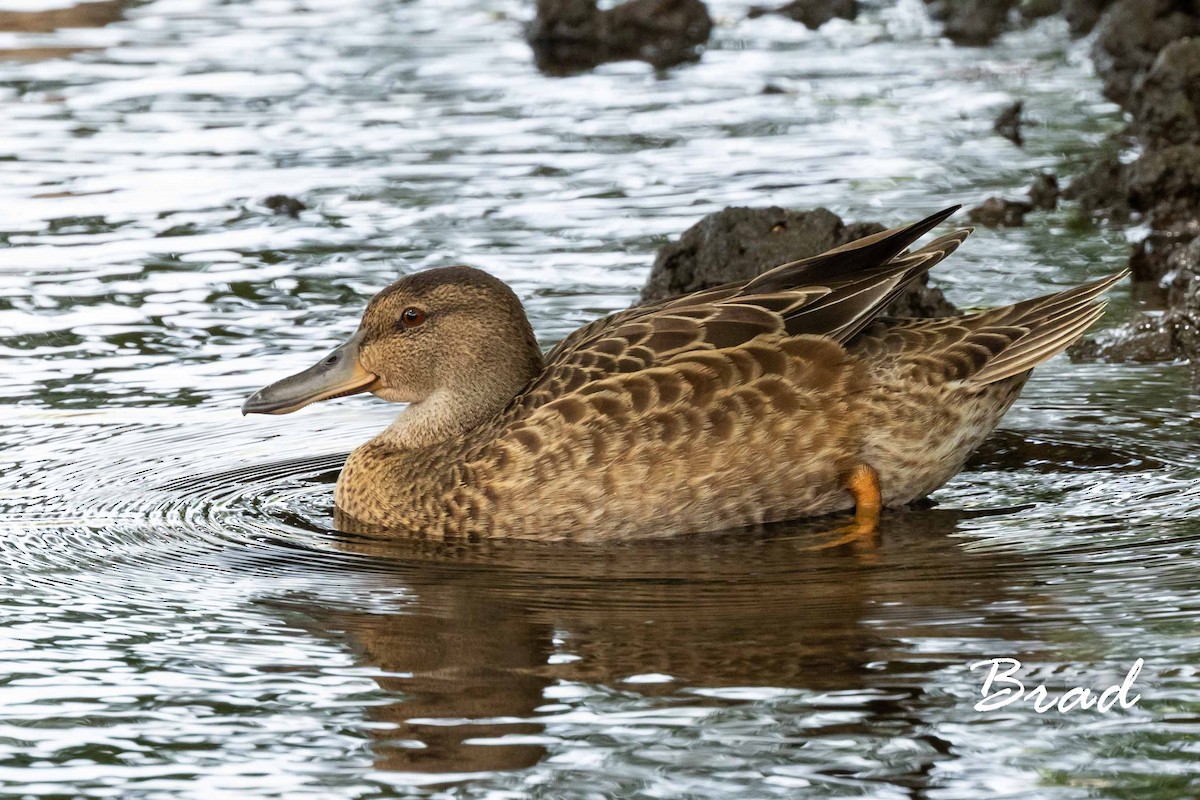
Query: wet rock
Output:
(922,300)
(660,32)
(1148,339)
(1044,192)
(1166,184)
(566,35)
(1132,33)
(812,13)
(938,10)
(1163,184)
(979,22)
(283,204)
(737,244)
(1082,15)
(1101,190)
(996,212)
(1185,303)
(1166,107)
(569,36)
(972,22)
(1037,9)
(1148,53)
(1161,337)
(1008,123)
(1184,266)
(1163,253)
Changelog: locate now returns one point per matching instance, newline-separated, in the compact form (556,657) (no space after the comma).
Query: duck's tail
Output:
(1025,334)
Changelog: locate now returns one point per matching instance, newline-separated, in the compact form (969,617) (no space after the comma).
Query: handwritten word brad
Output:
(1000,689)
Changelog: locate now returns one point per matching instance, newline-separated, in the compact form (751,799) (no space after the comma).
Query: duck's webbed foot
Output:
(863,483)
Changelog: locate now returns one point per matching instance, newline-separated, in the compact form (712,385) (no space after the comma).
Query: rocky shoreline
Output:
(1146,52)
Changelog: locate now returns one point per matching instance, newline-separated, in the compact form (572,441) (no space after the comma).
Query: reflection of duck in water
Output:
(48,20)
(779,398)
(489,637)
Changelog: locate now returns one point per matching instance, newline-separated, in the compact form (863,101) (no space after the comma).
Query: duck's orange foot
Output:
(862,533)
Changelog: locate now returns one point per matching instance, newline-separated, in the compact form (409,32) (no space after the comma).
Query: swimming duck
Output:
(782,397)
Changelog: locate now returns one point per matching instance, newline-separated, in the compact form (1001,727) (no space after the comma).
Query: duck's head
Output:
(453,338)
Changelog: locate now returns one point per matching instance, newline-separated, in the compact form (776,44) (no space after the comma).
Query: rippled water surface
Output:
(178,617)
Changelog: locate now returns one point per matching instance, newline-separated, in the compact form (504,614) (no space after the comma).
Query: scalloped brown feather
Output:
(734,406)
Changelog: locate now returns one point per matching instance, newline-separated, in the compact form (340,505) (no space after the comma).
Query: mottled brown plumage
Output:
(739,405)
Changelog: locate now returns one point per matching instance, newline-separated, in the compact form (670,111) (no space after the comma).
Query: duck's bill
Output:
(337,375)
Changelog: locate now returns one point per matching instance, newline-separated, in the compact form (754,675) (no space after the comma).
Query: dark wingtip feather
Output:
(842,262)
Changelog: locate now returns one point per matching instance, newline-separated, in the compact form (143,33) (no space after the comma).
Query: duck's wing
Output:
(836,265)
(992,345)
(833,295)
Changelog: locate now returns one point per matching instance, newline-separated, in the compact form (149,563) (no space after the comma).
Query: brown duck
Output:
(782,397)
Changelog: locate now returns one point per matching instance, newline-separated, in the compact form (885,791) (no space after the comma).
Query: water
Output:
(178,617)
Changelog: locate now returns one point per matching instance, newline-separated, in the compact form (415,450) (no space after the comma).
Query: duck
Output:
(783,397)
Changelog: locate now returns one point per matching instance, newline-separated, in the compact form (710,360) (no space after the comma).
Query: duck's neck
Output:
(435,419)
(450,413)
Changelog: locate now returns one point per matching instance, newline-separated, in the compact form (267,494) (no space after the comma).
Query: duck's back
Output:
(714,440)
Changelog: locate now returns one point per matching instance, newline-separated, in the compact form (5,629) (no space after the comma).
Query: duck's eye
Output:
(412,317)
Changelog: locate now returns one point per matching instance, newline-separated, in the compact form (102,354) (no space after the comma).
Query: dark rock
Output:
(1101,190)
(972,22)
(1184,301)
(1036,9)
(1163,253)
(570,36)
(996,212)
(1167,103)
(1008,123)
(1186,328)
(1164,337)
(938,10)
(1166,184)
(1184,265)
(283,204)
(1044,192)
(922,300)
(737,244)
(1148,53)
(660,32)
(567,36)
(1147,339)
(812,13)
(1131,35)
(772,88)
(1082,15)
